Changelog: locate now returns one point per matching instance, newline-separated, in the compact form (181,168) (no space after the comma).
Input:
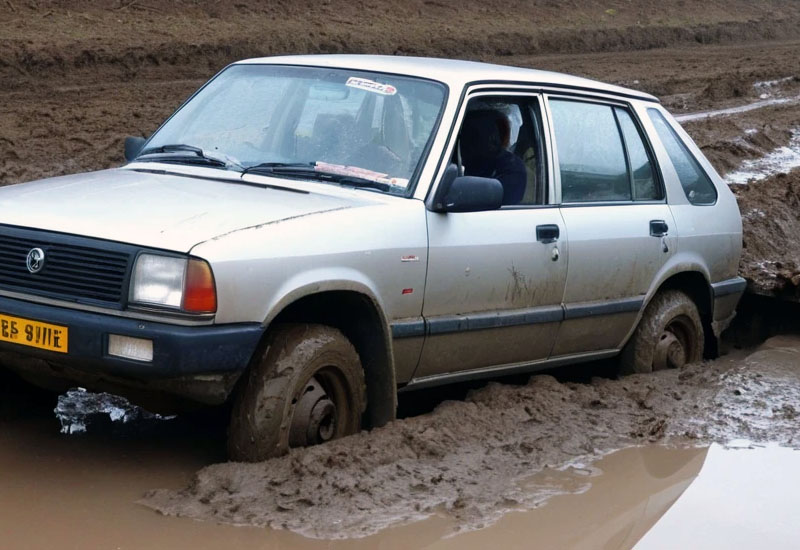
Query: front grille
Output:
(75,268)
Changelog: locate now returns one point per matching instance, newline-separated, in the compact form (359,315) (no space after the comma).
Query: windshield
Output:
(335,121)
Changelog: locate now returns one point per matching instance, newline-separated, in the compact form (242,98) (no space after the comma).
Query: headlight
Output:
(177,283)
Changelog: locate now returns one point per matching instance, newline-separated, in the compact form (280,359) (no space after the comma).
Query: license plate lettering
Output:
(35,334)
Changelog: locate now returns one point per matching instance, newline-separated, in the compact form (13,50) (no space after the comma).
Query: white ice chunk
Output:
(77,408)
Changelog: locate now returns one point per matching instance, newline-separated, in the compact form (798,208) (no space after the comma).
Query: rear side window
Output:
(591,156)
(696,184)
(645,186)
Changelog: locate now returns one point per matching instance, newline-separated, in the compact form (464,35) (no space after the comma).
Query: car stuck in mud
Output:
(306,236)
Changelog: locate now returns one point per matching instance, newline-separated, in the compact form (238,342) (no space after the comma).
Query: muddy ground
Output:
(468,457)
(76,77)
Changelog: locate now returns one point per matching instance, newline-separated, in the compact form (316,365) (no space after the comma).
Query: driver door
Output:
(496,279)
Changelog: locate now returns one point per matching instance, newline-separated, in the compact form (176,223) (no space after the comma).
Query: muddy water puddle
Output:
(78,493)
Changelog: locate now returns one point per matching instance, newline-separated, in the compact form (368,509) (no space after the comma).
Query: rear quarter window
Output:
(695,182)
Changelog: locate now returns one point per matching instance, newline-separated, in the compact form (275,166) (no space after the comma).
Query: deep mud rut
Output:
(468,457)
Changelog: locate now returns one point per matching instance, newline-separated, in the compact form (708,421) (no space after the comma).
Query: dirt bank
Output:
(467,457)
(771,221)
(66,35)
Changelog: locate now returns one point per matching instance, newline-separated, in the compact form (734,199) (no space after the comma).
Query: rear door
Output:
(619,226)
(496,279)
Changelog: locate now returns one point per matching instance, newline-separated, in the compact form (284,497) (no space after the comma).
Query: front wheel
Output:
(669,335)
(306,388)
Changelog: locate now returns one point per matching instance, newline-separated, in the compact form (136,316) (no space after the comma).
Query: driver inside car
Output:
(484,140)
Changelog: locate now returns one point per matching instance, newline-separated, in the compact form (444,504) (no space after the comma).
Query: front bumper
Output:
(216,354)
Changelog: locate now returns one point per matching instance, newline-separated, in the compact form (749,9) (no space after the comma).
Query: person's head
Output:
(484,135)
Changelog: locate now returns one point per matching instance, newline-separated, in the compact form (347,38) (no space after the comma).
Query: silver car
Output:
(307,236)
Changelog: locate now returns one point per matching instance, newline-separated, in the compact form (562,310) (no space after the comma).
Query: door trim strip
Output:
(448,324)
(609,307)
(505,370)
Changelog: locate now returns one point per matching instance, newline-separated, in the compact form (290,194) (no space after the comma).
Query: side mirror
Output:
(473,194)
(133,146)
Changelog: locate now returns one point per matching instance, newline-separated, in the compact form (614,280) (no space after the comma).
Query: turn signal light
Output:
(200,293)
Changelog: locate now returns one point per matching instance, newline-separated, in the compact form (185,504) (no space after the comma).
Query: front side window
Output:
(591,155)
(501,138)
(307,121)
(695,182)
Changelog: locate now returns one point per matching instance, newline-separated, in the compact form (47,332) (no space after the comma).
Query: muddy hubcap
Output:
(314,419)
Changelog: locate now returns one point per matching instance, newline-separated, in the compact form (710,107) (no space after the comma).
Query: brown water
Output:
(78,493)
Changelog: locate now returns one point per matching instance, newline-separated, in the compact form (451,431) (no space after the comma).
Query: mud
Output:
(771,254)
(731,140)
(468,457)
(65,35)
(81,492)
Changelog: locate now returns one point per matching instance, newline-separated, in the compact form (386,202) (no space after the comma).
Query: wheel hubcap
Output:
(674,348)
(314,419)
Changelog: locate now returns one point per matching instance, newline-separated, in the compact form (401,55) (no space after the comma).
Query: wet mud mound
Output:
(64,36)
(468,457)
(771,224)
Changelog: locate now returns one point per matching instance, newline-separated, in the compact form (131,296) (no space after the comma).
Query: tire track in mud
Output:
(468,457)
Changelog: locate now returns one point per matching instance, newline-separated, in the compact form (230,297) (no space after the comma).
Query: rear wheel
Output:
(669,335)
(306,388)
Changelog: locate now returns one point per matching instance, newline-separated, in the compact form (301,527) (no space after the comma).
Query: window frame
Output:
(535,96)
(648,146)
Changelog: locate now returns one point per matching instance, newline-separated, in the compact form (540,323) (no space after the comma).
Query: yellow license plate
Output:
(33,333)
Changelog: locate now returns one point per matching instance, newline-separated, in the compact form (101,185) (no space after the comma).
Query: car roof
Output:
(455,73)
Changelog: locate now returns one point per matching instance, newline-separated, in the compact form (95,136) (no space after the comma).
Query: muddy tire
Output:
(669,335)
(307,387)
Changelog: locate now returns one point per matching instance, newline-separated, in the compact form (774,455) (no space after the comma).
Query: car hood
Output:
(160,210)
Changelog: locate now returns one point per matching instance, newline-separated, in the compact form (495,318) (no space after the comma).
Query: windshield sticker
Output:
(358,172)
(370,86)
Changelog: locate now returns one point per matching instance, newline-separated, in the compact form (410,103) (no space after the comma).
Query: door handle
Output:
(658,228)
(547,233)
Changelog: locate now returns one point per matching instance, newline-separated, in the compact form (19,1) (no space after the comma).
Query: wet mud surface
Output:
(467,458)
(518,463)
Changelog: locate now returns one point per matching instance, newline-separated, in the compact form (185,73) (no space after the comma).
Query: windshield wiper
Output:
(167,153)
(306,170)
(269,167)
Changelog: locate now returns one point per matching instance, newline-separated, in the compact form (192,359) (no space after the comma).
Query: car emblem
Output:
(35,260)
